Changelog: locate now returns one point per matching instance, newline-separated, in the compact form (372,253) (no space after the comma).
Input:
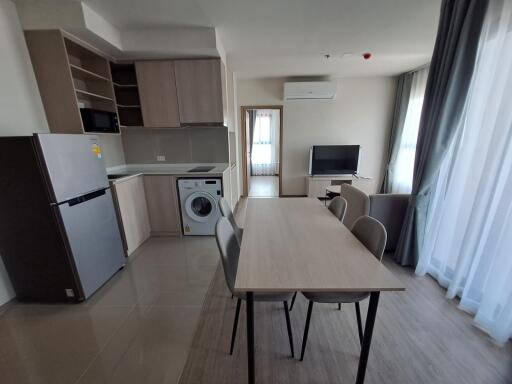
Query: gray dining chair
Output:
(338,207)
(358,204)
(229,252)
(226,211)
(373,235)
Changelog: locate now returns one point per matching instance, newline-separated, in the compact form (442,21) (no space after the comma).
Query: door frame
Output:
(243,111)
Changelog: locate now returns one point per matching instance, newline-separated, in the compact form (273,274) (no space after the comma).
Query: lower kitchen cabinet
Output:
(226,187)
(133,212)
(234,186)
(162,203)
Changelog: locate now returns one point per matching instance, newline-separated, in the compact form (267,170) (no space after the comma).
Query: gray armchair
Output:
(390,210)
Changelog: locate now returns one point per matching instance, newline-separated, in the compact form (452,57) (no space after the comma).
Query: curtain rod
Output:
(418,68)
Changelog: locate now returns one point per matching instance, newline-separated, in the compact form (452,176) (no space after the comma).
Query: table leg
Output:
(367,337)
(250,337)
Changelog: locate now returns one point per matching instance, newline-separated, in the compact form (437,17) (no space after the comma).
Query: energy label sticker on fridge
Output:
(96,149)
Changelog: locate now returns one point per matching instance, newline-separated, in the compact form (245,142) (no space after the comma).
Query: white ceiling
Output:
(268,38)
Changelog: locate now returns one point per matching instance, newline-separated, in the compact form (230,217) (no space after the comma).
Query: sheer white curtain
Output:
(468,240)
(265,144)
(401,177)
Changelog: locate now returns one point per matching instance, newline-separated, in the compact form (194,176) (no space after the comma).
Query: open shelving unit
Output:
(91,96)
(73,75)
(70,75)
(84,74)
(91,77)
(126,93)
(125,85)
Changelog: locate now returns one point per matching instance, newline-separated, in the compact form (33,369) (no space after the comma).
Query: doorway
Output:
(262,150)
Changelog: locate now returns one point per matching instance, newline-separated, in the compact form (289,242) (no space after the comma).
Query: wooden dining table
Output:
(296,244)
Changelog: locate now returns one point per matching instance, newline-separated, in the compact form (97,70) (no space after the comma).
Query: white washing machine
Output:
(199,203)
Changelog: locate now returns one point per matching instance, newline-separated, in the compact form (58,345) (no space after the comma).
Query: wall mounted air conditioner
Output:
(318,90)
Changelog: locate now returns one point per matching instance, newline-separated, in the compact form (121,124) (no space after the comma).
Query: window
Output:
(261,144)
(265,143)
(401,181)
(468,236)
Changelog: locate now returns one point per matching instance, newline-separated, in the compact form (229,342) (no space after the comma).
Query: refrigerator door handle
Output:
(86,197)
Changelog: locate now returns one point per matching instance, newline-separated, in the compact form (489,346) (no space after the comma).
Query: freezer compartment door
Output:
(91,227)
(74,164)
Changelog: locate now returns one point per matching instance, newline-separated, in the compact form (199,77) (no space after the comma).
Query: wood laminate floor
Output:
(419,337)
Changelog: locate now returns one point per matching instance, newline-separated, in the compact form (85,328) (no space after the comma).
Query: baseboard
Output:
(165,234)
(4,305)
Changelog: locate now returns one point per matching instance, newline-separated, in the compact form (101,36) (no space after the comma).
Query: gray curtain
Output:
(403,92)
(252,123)
(451,69)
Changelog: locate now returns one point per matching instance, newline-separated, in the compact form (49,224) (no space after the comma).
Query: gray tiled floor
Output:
(136,329)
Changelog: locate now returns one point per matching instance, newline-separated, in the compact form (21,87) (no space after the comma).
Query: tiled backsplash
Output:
(181,145)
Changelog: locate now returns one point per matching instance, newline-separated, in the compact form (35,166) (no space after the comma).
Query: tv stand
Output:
(317,185)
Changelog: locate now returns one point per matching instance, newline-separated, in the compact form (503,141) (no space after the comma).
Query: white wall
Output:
(20,104)
(21,109)
(361,114)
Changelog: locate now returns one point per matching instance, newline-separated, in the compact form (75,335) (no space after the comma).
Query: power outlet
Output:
(160,158)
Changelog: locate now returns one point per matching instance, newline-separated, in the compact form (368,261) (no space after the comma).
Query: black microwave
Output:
(98,121)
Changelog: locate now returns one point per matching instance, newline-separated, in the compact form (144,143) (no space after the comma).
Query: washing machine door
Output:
(200,206)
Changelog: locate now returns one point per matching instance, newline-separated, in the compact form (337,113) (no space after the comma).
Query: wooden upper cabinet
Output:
(199,88)
(157,92)
(70,76)
(49,59)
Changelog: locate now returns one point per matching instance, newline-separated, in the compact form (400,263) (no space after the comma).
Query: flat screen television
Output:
(333,159)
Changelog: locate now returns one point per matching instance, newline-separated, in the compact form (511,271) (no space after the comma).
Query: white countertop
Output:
(131,170)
